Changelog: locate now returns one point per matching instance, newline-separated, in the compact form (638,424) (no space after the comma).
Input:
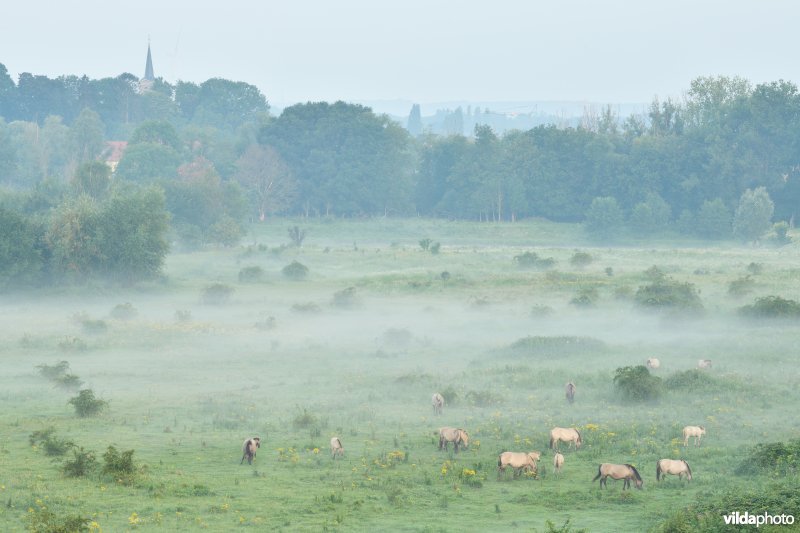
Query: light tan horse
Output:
(519,461)
(626,472)
(249,448)
(558,462)
(676,467)
(438,403)
(455,435)
(564,435)
(336,448)
(693,431)
(704,363)
(569,389)
(653,363)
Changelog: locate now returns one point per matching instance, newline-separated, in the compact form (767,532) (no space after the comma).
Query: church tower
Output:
(146,83)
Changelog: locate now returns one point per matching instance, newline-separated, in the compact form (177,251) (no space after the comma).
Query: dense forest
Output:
(200,160)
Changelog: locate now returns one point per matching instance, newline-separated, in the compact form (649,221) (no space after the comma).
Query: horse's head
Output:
(463,437)
(257,441)
(637,482)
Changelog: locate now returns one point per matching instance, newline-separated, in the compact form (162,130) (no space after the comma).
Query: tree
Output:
(415,121)
(72,238)
(753,216)
(650,216)
(21,259)
(267,178)
(156,132)
(713,221)
(227,104)
(148,162)
(92,178)
(604,218)
(88,133)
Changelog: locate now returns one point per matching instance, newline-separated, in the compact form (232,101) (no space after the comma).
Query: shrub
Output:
(295,270)
(666,293)
(251,274)
(587,297)
(37,437)
(346,298)
(217,294)
(483,398)
(86,405)
(56,447)
(781,230)
(691,380)
(124,311)
(82,463)
(68,381)
(434,249)
(308,308)
(425,243)
(183,315)
(741,286)
(304,420)
(541,311)
(755,268)
(94,326)
(43,519)
(73,344)
(532,260)
(775,458)
(636,384)
(450,396)
(771,307)
(119,465)
(53,371)
(581,260)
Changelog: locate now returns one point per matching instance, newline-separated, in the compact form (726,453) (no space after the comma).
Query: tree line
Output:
(715,165)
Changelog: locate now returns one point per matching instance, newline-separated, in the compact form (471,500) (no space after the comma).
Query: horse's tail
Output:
(551,441)
(688,469)
(598,473)
(658,471)
(499,461)
(579,441)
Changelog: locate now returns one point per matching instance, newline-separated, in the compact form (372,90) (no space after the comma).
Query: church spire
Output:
(148,69)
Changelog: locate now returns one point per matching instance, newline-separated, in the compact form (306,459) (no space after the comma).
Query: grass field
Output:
(297,362)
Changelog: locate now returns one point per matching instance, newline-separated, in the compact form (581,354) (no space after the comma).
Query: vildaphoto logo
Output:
(758,520)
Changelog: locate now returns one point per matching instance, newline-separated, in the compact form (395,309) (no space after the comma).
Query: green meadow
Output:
(225,346)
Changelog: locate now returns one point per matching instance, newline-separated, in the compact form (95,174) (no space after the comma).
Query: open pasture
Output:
(357,348)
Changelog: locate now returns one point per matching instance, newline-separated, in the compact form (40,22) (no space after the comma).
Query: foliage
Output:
(86,405)
(119,465)
(81,464)
(53,371)
(21,261)
(124,311)
(295,270)
(693,380)
(297,235)
(604,219)
(217,294)
(483,398)
(741,286)
(251,274)
(781,230)
(425,243)
(713,221)
(346,298)
(667,293)
(556,346)
(776,458)
(532,260)
(304,420)
(55,447)
(68,382)
(586,297)
(581,259)
(753,217)
(771,307)
(268,180)
(636,384)
(43,519)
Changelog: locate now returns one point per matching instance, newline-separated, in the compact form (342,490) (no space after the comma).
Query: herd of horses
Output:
(528,461)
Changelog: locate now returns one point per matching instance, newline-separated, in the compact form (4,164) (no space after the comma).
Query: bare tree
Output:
(262,171)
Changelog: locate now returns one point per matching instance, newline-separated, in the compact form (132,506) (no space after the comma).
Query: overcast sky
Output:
(605,51)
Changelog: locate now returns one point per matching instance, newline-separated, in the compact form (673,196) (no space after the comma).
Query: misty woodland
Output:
(216,317)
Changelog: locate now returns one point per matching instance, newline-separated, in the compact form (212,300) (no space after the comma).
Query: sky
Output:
(602,51)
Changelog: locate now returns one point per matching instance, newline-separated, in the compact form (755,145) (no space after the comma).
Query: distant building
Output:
(146,83)
(113,153)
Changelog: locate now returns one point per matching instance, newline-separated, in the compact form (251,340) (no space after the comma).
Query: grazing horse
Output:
(519,461)
(626,472)
(558,462)
(455,435)
(570,391)
(653,363)
(336,448)
(566,435)
(704,363)
(676,467)
(249,448)
(438,402)
(693,431)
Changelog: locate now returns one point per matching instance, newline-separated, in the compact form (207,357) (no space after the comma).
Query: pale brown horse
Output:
(457,436)
(569,389)
(519,461)
(676,467)
(438,403)
(626,472)
(564,435)
(336,448)
(558,462)
(704,363)
(693,431)
(249,448)
(653,363)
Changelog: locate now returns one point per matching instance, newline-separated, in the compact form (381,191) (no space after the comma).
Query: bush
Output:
(43,519)
(483,398)
(434,249)
(450,396)
(82,464)
(183,315)
(86,405)
(532,260)
(73,344)
(68,381)
(755,268)
(775,458)
(94,326)
(581,260)
(295,270)
(251,274)
(691,380)
(119,465)
(666,293)
(636,384)
(771,307)
(425,244)
(307,308)
(297,235)
(37,437)
(124,311)
(587,297)
(217,294)
(53,371)
(56,447)
(304,420)
(346,298)
(741,286)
